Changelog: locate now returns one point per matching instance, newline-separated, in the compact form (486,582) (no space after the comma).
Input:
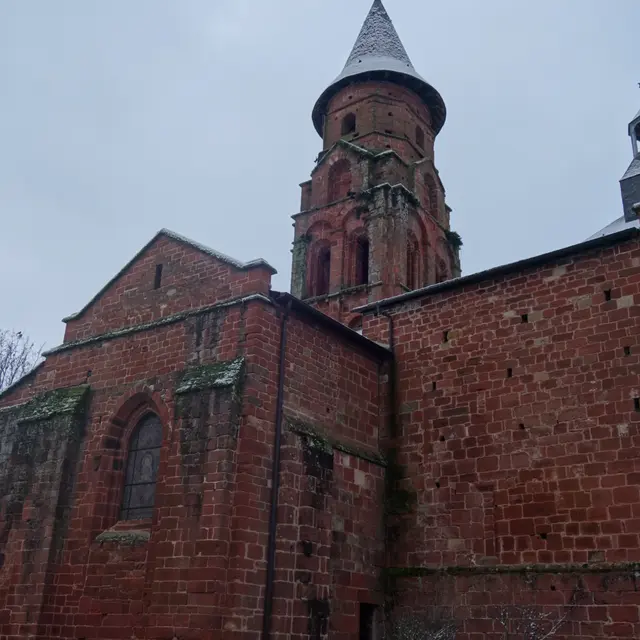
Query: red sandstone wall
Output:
(520,426)
(329,539)
(385,108)
(190,279)
(197,569)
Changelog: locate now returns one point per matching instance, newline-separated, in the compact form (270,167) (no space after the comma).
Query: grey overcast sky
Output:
(120,117)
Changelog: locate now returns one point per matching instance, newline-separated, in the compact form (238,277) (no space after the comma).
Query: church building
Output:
(392,449)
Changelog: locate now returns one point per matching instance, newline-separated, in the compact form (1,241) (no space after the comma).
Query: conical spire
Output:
(378,39)
(379,54)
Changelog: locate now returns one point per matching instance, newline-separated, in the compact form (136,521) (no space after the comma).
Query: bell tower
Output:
(630,183)
(373,221)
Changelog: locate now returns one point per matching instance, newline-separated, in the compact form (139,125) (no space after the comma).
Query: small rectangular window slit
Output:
(525,317)
(607,295)
(627,351)
(445,337)
(636,404)
(158,278)
(509,372)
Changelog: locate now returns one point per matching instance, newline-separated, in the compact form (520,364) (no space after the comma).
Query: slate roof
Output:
(633,170)
(617,225)
(379,54)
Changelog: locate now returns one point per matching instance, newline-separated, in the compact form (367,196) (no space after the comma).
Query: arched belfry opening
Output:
(348,126)
(361,251)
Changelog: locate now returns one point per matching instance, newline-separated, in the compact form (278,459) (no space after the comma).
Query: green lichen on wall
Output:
(211,376)
(128,538)
(454,239)
(321,441)
(52,403)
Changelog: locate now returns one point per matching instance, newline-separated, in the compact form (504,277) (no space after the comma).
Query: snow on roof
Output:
(175,236)
(617,225)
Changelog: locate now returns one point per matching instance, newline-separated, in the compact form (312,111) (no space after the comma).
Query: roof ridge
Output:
(175,236)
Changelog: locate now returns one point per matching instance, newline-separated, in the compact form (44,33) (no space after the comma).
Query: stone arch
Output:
(339,180)
(358,257)
(130,409)
(319,268)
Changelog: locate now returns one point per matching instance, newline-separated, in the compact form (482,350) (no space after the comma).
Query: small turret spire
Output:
(378,39)
(379,54)
(630,183)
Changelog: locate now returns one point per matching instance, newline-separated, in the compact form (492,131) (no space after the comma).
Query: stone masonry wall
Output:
(329,516)
(40,445)
(520,416)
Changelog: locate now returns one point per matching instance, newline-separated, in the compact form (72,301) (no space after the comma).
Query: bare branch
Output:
(18,356)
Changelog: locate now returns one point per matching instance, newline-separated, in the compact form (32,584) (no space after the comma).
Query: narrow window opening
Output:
(420,137)
(362,261)
(442,439)
(607,295)
(157,282)
(434,386)
(349,124)
(522,427)
(324,272)
(367,621)
(412,264)
(627,351)
(525,318)
(437,485)
(636,404)
(509,372)
(445,337)
(142,469)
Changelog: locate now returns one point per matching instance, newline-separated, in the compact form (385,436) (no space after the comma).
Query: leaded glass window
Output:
(142,469)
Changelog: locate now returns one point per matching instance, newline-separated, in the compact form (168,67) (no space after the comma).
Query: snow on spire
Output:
(378,38)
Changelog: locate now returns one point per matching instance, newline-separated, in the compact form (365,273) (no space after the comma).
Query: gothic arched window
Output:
(361,251)
(142,469)
(348,124)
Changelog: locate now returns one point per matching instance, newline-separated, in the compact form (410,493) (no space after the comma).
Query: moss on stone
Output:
(320,440)
(454,239)
(155,324)
(52,403)
(126,538)
(211,376)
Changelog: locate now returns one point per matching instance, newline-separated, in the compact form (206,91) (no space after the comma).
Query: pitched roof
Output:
(633,170)
(379,54)
(242,266)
